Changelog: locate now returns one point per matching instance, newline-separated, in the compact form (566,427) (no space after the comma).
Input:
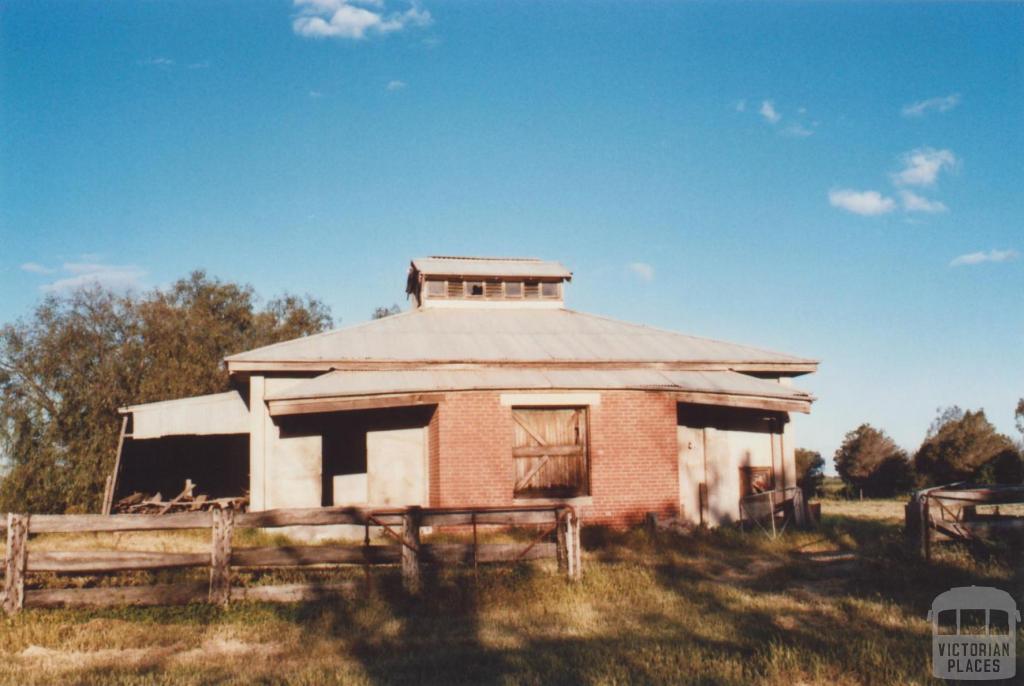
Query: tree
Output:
(870,461)
(66,370)
(809,472)
(381,312)
(1019,416)
(968,448)
(943,416)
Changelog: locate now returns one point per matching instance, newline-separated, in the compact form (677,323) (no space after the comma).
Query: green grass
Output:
(841,605)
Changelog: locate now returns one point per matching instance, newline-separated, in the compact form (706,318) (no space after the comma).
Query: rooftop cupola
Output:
(439,281)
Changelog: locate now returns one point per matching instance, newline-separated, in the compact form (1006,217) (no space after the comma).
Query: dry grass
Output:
(841,605)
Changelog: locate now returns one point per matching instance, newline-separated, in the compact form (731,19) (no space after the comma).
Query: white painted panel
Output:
(396,466)
(691,471)
(542,399)
(727,452)
(294,472)
(350,489)
(751,448)
(723,478)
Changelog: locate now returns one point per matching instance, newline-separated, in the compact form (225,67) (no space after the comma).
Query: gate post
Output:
(411,550)
(14,566)
(220,556)
(569,545)
(561,545)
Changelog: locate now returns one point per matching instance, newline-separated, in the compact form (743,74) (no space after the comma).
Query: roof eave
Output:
(794,368)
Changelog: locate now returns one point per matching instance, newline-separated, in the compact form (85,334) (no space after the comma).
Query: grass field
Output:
(841,605)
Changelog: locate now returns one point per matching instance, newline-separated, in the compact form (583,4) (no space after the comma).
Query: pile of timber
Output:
(186,501)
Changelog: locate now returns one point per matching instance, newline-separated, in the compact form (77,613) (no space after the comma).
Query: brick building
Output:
(487,392)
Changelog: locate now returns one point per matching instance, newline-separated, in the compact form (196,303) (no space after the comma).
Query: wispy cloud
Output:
(768,111)
(156,62)
(865,203)
(316,94)
(983,256)
(396,85)
(642,270)
(921,167)
(912,202)
(36,268)
(83,274)
(740,105)
(198,65)
(354,19)
(797,131)
(921,107)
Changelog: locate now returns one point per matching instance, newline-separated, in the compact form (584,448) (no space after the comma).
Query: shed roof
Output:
(220,413)
(348,384)
(524,267)
(549,337)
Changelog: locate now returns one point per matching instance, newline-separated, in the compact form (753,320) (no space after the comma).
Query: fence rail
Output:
(944,513)
(402,525)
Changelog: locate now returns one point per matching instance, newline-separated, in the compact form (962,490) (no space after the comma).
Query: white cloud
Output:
(157,62)
(642,270)
(912,202)
(797,131)
(919,108)
(866,203)
(769,112)
(395,85)
(84,274)
(346,19)
(982,256)
(921,167)
(36,268)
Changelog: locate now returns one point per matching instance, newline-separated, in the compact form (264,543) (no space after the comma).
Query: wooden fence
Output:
(950,512)
(402,525)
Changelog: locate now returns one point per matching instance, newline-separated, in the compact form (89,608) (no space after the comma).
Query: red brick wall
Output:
(633,455)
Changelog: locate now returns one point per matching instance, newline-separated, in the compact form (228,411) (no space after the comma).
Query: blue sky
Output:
(841,181)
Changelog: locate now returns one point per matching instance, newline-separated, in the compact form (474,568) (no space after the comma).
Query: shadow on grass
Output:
(714,607)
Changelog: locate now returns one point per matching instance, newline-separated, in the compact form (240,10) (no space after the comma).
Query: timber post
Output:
(14,566)
(220,556)
(926,530)
(561,552)
(411,551)
(571,546)
(799,509)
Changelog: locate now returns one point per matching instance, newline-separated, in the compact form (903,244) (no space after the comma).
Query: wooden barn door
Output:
(550,451)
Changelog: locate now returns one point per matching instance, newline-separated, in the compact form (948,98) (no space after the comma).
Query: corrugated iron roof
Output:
(525,267)
(485,335)
(220,413)
(373,382)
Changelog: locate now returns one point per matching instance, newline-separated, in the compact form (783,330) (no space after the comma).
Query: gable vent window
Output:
(549,289)
(436,289)
(531,289)
(475,289)
(513,289)
(492,289)
(454,288)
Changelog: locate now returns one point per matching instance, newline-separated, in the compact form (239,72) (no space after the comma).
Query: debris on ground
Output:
(186,501)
